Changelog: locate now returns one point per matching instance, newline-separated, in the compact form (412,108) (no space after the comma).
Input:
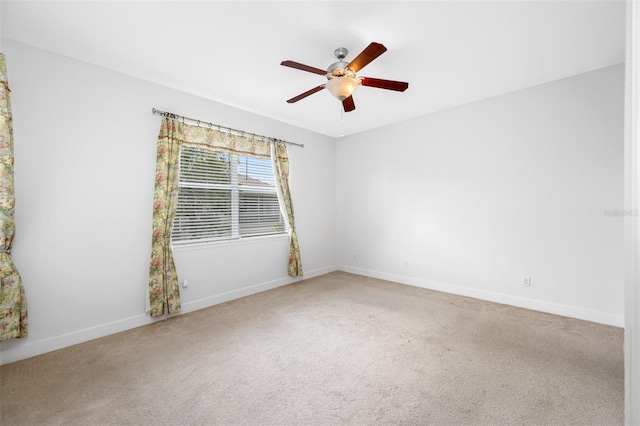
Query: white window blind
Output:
(224,196)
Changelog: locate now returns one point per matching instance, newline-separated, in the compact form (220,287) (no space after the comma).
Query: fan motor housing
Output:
(340,69)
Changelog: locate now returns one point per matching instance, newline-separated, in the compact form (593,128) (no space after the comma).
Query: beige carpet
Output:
(336,349)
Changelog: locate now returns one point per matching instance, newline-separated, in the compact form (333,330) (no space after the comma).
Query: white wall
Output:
(470,199)
(85,142)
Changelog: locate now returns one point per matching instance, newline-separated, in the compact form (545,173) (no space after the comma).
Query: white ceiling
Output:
(450,52)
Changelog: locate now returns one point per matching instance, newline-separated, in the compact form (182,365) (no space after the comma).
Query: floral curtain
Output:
(164,291)
(281,168)
(13,303)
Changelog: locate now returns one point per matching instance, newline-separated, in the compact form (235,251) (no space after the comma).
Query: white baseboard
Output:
(18,349)
(521,302)
(247,291)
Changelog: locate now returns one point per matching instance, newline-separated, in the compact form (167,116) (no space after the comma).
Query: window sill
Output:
(223,243)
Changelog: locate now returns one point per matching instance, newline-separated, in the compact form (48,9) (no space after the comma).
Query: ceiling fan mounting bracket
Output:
(341,53)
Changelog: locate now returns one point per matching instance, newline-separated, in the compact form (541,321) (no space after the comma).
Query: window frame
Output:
(236,189)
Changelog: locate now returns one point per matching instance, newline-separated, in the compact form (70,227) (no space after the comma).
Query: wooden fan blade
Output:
(303,67)
(305,94)
(399,86)
(366,56)
(348,104)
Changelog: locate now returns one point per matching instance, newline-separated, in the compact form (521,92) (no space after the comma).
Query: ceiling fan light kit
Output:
(341,76)
(342,87)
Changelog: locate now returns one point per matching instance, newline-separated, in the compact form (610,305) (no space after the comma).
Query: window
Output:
(224,196)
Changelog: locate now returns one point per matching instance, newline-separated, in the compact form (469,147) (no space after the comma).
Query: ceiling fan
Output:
(342,79)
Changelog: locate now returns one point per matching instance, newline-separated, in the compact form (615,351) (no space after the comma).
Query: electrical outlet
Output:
(185,284)
(526,281)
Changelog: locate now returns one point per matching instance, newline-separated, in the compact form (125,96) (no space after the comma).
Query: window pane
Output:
(255,172)
(202,214)
(198,165)
(260,214)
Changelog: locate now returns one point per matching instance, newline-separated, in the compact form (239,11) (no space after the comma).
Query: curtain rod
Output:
(223,128)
